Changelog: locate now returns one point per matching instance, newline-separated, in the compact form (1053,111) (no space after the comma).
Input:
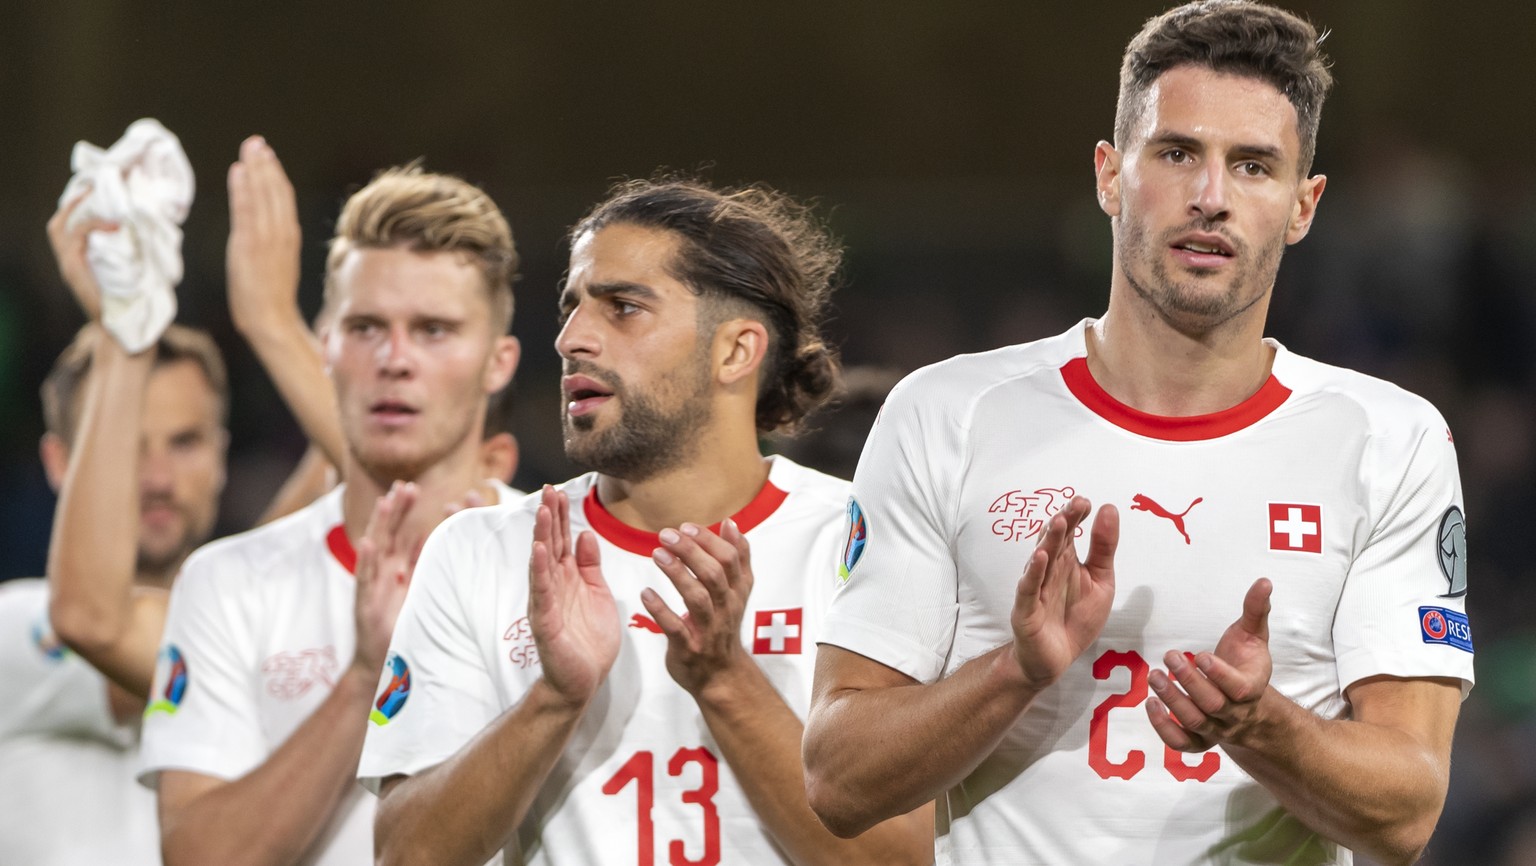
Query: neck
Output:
(157,578)
(439,486)
(727,473)
(1148,363)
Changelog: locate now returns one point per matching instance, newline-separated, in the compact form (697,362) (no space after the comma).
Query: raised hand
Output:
(713,574)
(574,618)
(1062,604)
(1216,696)
(69,250)
(386,557)
(262,258)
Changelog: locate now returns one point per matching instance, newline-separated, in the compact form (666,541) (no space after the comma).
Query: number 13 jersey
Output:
(641,781)
(1340,488)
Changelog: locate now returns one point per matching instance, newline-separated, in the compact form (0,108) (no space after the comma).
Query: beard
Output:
(159,561)
(1185,300)
(647,438)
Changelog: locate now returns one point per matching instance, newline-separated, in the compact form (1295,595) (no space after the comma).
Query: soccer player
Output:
(67,735)
(638,696)
(271,649)
(1277,567)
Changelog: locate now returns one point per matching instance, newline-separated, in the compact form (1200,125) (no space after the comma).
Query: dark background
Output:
(950,146)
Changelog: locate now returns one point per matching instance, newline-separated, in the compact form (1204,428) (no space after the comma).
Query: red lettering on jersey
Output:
(1297,527)
(524,651)
(290,675)
(777,632)
(1142,502)
(1024,515)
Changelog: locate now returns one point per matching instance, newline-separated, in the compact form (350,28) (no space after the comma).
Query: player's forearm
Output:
(291,355)
(93,551)
(872,754)
(274,813)
(759,737)
(1375,789)
(465,809)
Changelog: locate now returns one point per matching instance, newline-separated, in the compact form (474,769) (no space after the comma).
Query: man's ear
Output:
(54,452)
(1106,169)
(739,349)
(1308,193)
(502,363)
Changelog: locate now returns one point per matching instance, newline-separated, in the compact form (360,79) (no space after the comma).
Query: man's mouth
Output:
(391,411)
(1203,250)
(583,394)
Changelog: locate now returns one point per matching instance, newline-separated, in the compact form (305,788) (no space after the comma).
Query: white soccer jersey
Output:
(642,780)
(1340,488)
(67,795)
(260,626)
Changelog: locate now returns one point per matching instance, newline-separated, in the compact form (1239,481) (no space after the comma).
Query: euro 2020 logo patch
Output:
(175,679)
(1451,548)
(858,536)
(395,692)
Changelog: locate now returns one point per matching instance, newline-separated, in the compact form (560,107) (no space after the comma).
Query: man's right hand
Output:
(69,250)
(574,618)
(1062,604)
(262,258)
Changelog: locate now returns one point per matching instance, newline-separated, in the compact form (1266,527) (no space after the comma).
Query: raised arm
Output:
(262,261)
(878,744)
(1375,782)
(274,813)
(758,734)
(464,810)
(94,606)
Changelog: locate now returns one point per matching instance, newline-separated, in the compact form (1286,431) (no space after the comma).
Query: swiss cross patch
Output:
(776,632)
(1297,527)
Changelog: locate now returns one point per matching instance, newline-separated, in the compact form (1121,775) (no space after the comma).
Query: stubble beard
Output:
(646,439)
(1181,300)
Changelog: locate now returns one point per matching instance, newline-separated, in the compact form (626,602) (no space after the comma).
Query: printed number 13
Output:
(1098,727)
(640,769)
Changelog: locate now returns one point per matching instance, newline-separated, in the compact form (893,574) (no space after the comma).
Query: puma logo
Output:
(641,621)
(1142,502)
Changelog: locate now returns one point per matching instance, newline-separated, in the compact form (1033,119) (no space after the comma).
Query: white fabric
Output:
(263,623)
(144,184)
(464,635)
(972,455)
(67,795)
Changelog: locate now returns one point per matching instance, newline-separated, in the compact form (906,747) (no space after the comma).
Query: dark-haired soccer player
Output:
(1233,474)
(637,698)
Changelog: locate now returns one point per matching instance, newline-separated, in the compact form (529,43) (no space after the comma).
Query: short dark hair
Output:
(429,212)
(61,389)
(1233,36)
(755,247)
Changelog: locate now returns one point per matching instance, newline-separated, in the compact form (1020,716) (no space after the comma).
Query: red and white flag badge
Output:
(776,632)
(1297,527)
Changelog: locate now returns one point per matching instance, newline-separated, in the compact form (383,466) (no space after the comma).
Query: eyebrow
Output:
(1177,139)
(607,290)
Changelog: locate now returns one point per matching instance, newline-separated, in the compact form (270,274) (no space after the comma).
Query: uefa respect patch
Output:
(853,547)
(1450,627)
(176,678)
(395,692)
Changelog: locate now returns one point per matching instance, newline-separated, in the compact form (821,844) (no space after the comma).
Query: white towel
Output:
(144,184)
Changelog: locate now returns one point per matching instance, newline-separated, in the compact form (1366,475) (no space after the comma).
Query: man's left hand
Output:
(713,574)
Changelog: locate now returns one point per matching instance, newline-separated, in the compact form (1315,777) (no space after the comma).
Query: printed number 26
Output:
(640,769)
(1098,727)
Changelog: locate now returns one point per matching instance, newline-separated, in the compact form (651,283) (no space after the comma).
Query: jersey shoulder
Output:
(285,549)
(1386,409)
(955,386)
(810,489)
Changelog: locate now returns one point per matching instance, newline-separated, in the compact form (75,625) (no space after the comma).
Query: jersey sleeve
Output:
(49,689)
(1403,609)
(896,601)
(202,714)
(435,693)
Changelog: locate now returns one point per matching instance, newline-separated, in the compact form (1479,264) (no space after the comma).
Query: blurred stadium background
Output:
(950,147)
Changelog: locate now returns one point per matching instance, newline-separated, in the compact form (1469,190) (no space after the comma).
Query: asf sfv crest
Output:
(1020,515)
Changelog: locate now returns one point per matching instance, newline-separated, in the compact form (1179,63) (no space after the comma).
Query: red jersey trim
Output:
(341,548)
(1174,429)
(640,542)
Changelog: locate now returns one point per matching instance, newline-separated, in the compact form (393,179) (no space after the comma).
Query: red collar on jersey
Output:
(1187,429)
(640,542)
(341,548)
